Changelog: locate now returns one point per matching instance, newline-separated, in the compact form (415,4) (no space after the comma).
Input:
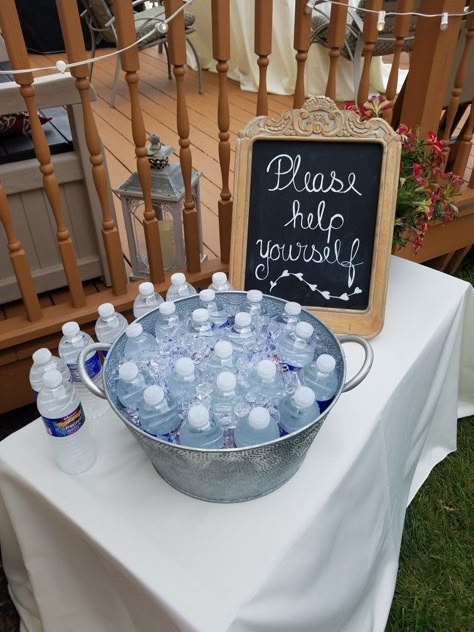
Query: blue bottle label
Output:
(92,366)
(67,425)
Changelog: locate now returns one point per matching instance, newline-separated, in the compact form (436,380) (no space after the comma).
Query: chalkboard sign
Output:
(315,204)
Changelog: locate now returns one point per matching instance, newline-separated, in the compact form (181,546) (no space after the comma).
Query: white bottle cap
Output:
(153,395)
(52,379)
(259,418)
(304,330)
(42,356)
(178,278)
(200,315)
(325,363)
(128,371)
(167,308)
(254,296)
(266,369)
(219,278)
(242,319)
(134,330)
(223,349)
(304,397)
(292,308)
(146,288)
(198,416)
(184,367)
(226,381)
(106,309)
(207,296)
(70,329)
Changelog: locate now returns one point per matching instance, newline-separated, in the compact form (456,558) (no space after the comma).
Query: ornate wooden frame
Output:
(321,120)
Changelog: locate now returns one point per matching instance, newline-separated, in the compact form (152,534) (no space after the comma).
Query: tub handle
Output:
(81,360)
(366,366)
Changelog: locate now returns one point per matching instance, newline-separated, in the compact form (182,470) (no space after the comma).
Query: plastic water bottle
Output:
(70,345)
(289,318)
(254,305)
(146,300)
(220,283)
(109,325)
(295,348)
(266,386)
(223,404)
(131,385)
(242,334)
(64,419)
(199,430)
(43,360)
(167,321)
(183,381)
(179,287)
(221,359)
(257,427)
(140,344)
(158,414)
(321,378)
(298,410)
(217,315)
(201,326)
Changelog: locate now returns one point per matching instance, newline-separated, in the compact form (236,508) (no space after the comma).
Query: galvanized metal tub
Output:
(235,474)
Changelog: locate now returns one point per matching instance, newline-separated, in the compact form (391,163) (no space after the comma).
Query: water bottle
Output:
(298,410)
(223,404)
(167,321)
(242,334)
(201,326)
(254,305)
(266,386)
(217,315)
(158,415)
(179,287)
(109,325)
(199,430)
(43,360)
(295,348)
(146,300)
(64,419)
(70,345)
(221,359)
(131,385)
(289,318)
(220,283)
(182,382)
(140,344)
(321,378)
(256,428)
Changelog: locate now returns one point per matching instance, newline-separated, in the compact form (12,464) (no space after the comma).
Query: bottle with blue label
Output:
(298,410)
(242,334)
(182,382)
(43,360)
(288,318)
(65,422)
(321,377)
(70,345)
(266,385)
(158,414)
(146,300)
(199,430)
(179,287)
(217,315)
(224,401)
(110,324)
(167,322)
(256,428)
(220,360)
(254,306)
(131,384)
(296,348)
(140,345)
(220,282)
